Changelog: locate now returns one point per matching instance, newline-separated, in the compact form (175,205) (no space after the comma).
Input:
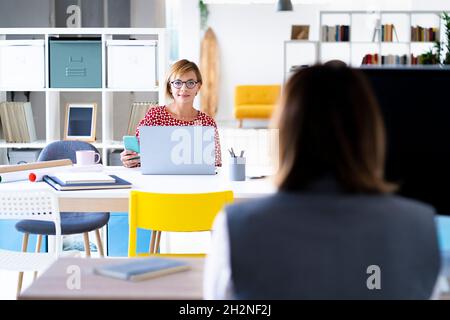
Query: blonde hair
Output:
(178,69)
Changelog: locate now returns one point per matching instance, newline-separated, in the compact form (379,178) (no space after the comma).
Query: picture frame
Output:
(80,121)
(300,32)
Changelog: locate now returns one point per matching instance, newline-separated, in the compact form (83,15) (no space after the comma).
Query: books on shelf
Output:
(387,33)
(59,185)
(17,122)
(420,34)
(138,111)
(337,33)
(375,59)
(84,177)
(370,59)
(142,268)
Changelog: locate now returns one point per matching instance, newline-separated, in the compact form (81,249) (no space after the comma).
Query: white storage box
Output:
(131,64)
(21,156)
(22,64)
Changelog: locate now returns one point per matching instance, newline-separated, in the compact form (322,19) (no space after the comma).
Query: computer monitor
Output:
(415,103)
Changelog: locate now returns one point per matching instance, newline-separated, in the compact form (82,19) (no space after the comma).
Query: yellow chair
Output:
(172,213)
(255,101)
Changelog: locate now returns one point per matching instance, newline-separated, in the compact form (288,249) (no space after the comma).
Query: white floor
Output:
(8,284)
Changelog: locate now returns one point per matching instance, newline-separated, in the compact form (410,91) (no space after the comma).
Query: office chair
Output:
(172,213)
(36,206)
(71,222)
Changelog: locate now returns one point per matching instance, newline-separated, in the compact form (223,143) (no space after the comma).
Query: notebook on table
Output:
(84,177)
(142,268)
(56,183)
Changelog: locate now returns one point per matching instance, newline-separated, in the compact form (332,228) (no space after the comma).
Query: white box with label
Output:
(22,64)
(131,64)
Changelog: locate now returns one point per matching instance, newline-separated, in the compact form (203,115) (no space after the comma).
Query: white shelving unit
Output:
(362,40)
(298,53)
(113,103)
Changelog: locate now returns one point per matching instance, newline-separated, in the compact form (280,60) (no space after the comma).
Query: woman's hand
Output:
(126,156)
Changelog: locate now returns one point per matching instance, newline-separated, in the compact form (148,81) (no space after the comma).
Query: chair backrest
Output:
(31,205)
(257,94)
(64,150)
(173,212)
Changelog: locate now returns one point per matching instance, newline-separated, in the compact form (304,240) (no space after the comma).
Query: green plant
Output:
(446,19)
(431,57)
(434,54)
(204,12)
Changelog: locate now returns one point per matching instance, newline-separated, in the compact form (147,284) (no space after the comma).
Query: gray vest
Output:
(328,245)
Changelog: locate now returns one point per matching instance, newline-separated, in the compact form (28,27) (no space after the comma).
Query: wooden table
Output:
(53,283)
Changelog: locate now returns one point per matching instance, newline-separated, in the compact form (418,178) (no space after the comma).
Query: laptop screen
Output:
(177,149)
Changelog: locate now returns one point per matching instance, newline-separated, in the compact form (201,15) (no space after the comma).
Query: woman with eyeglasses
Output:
(183,83)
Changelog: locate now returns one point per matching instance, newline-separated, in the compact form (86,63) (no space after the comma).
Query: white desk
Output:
(117,200)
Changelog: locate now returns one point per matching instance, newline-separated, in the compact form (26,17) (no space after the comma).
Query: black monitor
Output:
(415,103)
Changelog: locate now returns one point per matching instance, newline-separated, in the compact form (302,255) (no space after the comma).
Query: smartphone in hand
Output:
(131,143)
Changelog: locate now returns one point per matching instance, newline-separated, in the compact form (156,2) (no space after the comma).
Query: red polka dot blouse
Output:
(159,116)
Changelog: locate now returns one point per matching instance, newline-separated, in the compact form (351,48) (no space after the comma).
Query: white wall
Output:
(147,14)
(251,37)
(189,30)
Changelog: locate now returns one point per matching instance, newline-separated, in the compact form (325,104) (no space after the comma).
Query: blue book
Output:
(142,268)
(61,186)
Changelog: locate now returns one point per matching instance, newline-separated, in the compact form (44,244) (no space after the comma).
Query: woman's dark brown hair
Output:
(330,124)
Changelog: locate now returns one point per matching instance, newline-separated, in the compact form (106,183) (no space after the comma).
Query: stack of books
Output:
(387,32)
(17,122)
(138,111)
(337,33)
(85,181)
(422,34)
(390,59)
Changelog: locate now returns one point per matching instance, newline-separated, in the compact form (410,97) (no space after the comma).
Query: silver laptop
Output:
(177,150)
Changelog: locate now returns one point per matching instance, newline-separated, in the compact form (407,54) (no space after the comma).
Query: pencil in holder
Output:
(237,168)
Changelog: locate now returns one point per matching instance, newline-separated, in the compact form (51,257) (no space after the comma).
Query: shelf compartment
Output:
(401,22)
(66,97)
(122,103)
(38,144)
(335,50)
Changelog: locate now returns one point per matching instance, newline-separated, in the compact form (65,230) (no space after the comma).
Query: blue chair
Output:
(71,222)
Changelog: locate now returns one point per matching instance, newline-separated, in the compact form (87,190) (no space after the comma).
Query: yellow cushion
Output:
(255,101)
(253,111)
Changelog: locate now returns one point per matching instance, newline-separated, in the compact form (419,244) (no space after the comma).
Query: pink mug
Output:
(87,157)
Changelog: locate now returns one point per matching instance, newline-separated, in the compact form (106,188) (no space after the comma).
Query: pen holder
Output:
(237,169)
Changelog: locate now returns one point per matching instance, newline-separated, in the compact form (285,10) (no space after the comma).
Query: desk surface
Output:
(52,284)
(117,200)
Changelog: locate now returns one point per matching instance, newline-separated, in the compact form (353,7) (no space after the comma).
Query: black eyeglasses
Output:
(190,84)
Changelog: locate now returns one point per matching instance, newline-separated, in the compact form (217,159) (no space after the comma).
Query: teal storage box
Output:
(117,236)
(75,63)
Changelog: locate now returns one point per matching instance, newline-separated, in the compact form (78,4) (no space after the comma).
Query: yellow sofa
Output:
(255,101)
